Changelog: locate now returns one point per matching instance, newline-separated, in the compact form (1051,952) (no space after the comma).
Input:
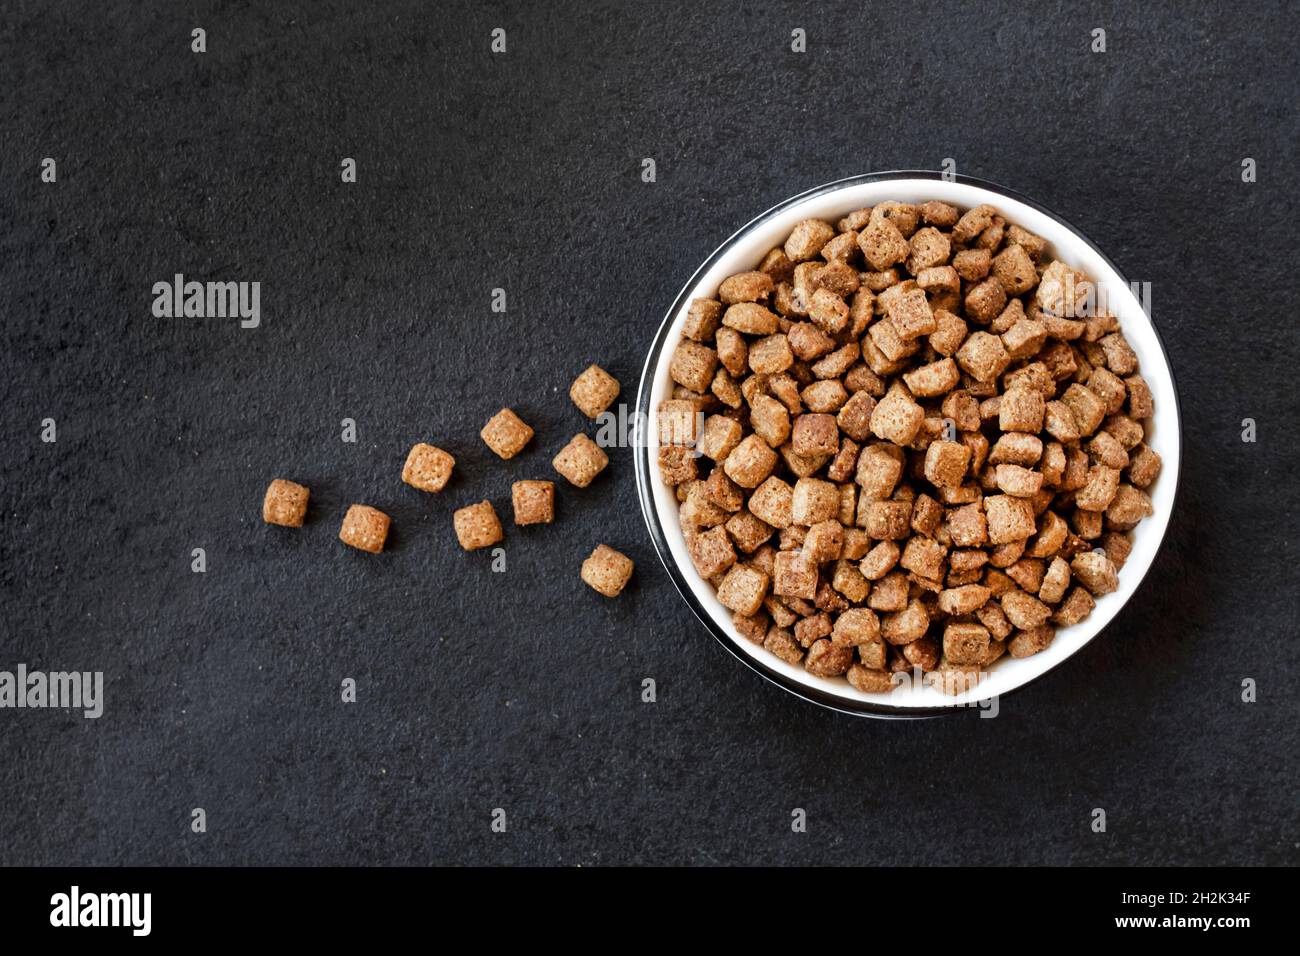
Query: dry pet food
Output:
(907,440)
(285,503)
(594,391)
(365,528)
(534,502)
(581,460)
(428,468)
(477,526)
(607,571)
(506,434)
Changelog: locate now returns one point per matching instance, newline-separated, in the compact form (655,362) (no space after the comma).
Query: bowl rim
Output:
(641,450)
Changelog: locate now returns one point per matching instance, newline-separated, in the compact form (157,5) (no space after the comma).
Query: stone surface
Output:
(522,690)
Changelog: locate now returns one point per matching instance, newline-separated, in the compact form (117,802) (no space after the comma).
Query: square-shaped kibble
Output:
(1009,519)
(750,462)
(815,434)
(581,460)
(678,421)
(594,391)
(534,502)
(428,467)
(608,571)
(677,464)
(693,365)
(477,526)
(795,575)
(285,503)
(506,434)
(365,528)
(743,589)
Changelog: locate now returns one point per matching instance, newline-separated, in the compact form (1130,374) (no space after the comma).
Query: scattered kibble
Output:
(285,503)
(365,528)
(477,526)
(428,468)
(607,571)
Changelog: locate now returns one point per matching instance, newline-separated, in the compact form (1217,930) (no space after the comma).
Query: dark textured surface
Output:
(522,690)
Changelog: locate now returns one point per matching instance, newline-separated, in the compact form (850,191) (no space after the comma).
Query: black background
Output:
(522,690)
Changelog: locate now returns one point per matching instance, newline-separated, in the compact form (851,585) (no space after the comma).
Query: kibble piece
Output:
(428,468)
(365,528)
(813,501)
(677,464)
(285,503)
(946,463)
(1021,410)
(824,541)
(815,434)
(1031,641)
(711,551)
(693,365)
(795,575)
(679,422)
(1014,268)
(986,300)
(748,531)
(1087,408)
(595,390)
(703,316)
(533,501)
(719,436)
(1009,519)
(1017,481)
(965,643)
(477,526)
(807,239)
(751,319)
(1055,581)
(882,244)
(743,589)
(750,462)
(897,417)
(506,434)
(746,287)
(1100,489)
(963,600)
(1094,571)
(879,469)
(580,461)
(826,659)
(1024,610)
(771,502)
(906,625)
(983,356)
(1143,466)
(771,355)
(608,572)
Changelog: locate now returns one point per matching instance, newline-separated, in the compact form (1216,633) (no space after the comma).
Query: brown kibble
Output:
(608,572)
(506,434)
(285,503)
(533,501)
(428,468)
(743,589)
(365,528)
(595,390)
(477,526)
(580,461)
(892,490)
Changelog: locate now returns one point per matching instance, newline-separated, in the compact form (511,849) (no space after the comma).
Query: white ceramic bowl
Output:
(742,252)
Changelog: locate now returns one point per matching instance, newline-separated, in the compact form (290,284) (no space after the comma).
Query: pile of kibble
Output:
(908,440)
(429,468)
